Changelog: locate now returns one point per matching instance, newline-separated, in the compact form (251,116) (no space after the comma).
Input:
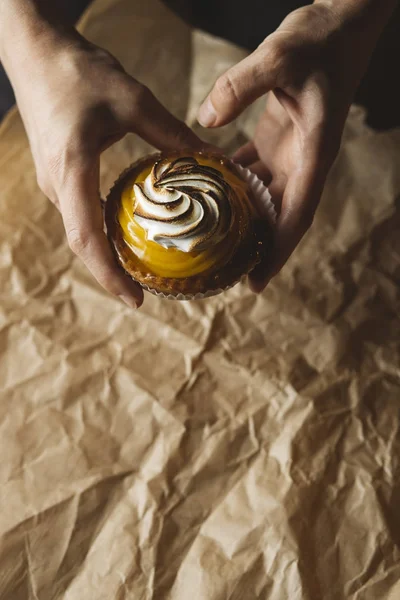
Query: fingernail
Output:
(207,115)
(128,301)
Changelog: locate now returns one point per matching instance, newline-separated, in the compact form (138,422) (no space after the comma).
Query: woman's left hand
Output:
(313,64)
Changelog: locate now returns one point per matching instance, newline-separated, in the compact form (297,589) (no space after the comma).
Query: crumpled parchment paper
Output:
(245,447)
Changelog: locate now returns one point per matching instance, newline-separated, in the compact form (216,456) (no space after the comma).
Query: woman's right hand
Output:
(76,100)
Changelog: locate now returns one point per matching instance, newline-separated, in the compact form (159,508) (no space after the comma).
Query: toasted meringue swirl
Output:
(183,204)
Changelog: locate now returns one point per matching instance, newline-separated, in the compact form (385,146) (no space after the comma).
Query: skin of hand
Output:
(76,100)
(312,64)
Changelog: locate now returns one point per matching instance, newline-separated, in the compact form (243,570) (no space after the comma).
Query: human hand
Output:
(312,64)
(76,100)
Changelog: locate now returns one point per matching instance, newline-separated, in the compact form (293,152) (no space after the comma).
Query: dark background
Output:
(248,22)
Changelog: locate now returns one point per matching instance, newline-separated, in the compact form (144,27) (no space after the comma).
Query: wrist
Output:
(367,16)
(19,20)
(357,26)
(28,30)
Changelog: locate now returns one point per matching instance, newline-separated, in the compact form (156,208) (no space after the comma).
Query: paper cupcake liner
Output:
(198,296)
(263,198)
(260,192)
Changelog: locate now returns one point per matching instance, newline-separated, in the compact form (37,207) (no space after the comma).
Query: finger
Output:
(299,204)
(83,221)
(143,114)
(246,155)
(296,218)
(241,85)
(300,197)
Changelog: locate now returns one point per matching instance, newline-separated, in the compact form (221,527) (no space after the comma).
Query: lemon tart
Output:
(185,225)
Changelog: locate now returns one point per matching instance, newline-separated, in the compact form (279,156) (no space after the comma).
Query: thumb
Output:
(240,86)
(139,111)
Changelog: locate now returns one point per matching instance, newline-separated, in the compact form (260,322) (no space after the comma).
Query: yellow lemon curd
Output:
(171,262)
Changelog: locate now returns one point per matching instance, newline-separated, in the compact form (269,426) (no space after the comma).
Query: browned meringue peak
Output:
(184,205)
